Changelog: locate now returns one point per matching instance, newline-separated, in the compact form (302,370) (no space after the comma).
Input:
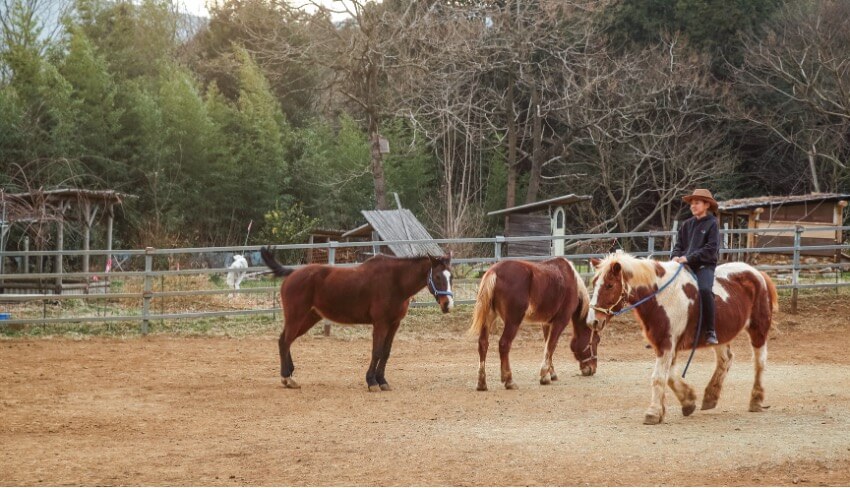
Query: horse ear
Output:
(595,262)
(616,268)
(449,257)
(434,261)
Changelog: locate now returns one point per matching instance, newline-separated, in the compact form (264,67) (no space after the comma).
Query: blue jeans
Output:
(705,281)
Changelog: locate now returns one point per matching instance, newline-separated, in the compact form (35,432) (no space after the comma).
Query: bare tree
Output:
(798,75)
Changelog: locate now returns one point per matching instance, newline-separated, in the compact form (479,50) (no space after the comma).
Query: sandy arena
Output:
(165,410)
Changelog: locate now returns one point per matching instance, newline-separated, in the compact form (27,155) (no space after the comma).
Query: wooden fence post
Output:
(795,272)
(147,292)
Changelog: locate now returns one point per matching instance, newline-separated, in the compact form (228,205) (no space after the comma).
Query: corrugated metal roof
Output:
(531,207)
(755,202)
(398,225)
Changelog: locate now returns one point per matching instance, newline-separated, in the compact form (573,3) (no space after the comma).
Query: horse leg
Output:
(546,367)
(758,341)
(379,336)
(683,391)
(724,355)
(508,335)
(483,344)
(551,345)
(661,373)
(295,325)
(385,355)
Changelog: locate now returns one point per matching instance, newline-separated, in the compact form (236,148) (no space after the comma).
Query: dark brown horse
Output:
(550,292)
(745,299)
(377,292)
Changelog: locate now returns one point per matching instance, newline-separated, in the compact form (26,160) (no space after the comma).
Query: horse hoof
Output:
(481,387)
(290,383)
(651,419)
(511,386)
(385,387)
(755,407)
(708,404)
(688,409)
(546,380)
(554,377)
(374,388)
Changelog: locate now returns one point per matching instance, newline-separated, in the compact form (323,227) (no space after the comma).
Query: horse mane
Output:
(637,271)
(583,294)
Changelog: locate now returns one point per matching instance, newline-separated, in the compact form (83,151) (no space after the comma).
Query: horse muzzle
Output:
(446,303)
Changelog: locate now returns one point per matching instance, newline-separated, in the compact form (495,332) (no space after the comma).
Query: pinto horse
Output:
(550,292)
(376,292)
(668,312)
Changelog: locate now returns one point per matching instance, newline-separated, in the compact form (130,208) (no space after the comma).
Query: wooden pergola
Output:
(42,209)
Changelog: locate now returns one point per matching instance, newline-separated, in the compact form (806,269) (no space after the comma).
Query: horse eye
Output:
(609,286)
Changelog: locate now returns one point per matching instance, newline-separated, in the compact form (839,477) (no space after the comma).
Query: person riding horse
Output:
(698,246)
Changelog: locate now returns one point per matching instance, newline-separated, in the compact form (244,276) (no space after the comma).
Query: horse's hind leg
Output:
(723,354)
(758,340)
(683,391)
(483,345)
(295,325)
(508,335)
(385,355)
(546,369)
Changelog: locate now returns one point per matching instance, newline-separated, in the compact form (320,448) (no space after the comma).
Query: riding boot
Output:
(707,306)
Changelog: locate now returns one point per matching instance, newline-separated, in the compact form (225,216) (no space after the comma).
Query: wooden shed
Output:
(543,218)
(395,225)
(42,213)
(814,209)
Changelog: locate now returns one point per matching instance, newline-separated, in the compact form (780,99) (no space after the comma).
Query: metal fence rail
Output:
(144,267)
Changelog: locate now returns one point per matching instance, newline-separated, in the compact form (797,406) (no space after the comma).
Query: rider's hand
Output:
(680,260)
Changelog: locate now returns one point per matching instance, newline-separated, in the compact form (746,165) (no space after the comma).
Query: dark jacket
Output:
(699,242)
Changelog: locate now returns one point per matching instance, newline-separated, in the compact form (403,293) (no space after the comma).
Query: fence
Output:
(133,286)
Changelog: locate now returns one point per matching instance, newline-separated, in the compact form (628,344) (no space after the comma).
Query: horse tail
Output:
(271,262)
(484,315)
(771,289)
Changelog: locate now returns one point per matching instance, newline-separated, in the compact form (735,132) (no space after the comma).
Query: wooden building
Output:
(543,218)
(814,209)
(42,217)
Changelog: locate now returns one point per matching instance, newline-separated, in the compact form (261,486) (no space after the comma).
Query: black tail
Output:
(271,262)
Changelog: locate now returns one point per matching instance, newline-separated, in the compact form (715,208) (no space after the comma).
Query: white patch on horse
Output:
(449,287)
(673,299)
(591,314)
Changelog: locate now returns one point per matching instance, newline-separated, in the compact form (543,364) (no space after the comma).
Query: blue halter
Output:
(433,288)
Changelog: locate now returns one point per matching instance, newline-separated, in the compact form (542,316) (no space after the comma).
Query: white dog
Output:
(237,271)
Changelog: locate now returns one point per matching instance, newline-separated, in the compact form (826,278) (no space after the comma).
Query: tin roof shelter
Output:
(396,225)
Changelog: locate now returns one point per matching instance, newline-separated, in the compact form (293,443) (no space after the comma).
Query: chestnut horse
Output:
(667,308)
(550,292)
(376,292)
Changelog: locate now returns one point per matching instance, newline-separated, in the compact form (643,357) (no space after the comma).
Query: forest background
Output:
(266,113)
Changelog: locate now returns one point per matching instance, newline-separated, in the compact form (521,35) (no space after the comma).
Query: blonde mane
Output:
(636,271)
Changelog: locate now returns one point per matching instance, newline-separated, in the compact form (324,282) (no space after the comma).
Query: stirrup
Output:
(711,338)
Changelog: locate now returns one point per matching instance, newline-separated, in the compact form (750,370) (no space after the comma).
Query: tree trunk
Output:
(377,165)
(536,149)
(510,197)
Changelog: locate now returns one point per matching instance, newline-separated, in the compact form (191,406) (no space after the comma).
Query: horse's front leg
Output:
(655,412)
(385,355)
(379,335)
(683,391)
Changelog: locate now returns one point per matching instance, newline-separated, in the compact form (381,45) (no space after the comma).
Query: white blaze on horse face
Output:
(449,287)
(591,314)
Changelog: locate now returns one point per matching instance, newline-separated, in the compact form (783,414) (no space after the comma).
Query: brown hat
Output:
(702,194)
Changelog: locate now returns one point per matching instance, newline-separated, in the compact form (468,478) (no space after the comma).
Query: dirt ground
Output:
(166,410)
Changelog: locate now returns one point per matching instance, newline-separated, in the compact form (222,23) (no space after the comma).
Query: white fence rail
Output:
(148,269)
